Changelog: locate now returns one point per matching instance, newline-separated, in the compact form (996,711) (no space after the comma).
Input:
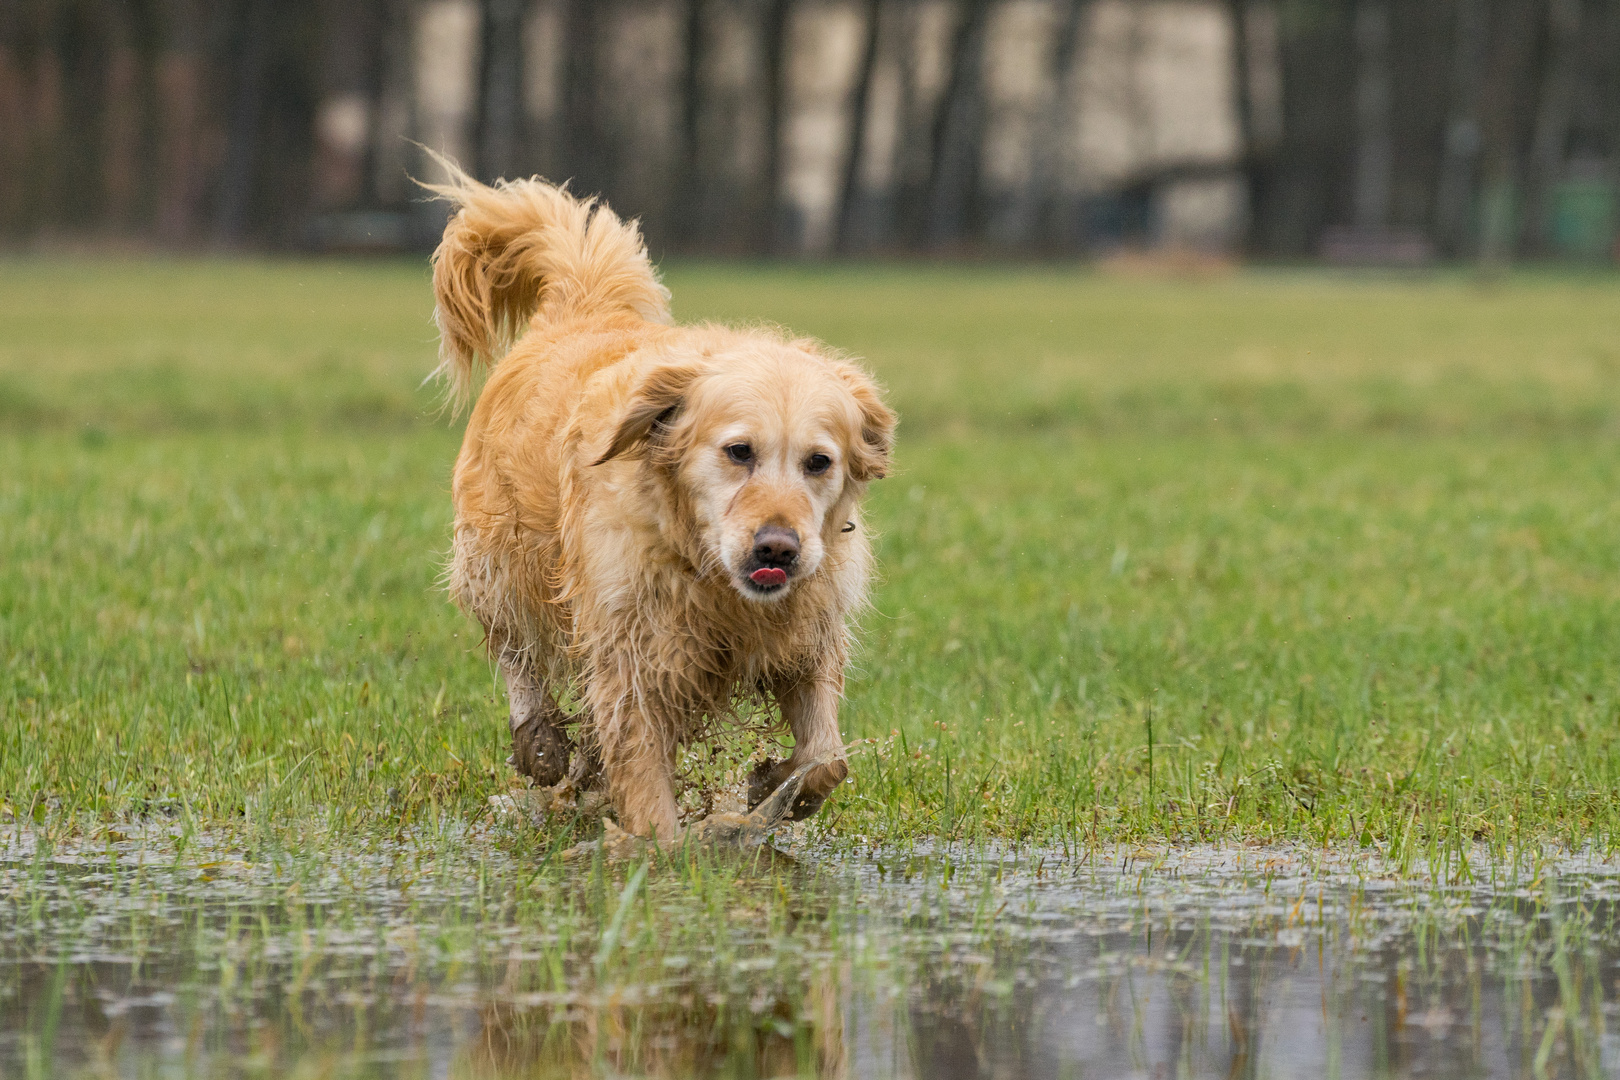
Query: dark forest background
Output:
(1365,130)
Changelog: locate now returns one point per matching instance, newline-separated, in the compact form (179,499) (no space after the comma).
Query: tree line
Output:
(1281,128)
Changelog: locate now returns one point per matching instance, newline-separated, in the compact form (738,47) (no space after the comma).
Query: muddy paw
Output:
(540,752)
(767,776)
(805,806)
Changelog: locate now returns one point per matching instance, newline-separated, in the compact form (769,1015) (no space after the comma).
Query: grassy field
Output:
(1253,558)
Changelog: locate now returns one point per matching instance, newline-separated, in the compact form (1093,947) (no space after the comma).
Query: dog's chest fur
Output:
(688,635)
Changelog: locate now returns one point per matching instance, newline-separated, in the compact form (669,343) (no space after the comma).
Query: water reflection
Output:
(1292,971)
(448,957)
(686,1037)
(1205,1004)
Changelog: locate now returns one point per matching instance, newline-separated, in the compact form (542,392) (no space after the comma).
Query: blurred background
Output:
(1349,130)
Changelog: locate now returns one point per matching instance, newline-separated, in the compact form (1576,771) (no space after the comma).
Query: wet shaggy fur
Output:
(606,524)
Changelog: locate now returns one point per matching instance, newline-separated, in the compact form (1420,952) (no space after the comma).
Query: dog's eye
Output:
(816,464)
(740,452)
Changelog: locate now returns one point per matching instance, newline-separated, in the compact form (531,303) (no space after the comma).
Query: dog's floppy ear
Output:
(869,458)
(652,406)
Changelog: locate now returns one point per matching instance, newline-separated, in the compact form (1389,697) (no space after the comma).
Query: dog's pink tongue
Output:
(768,575)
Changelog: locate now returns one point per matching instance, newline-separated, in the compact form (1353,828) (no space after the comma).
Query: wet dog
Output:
(661,522)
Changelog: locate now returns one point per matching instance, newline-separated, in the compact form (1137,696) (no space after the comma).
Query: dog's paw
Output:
(806,805)
(540,752)
(768,775)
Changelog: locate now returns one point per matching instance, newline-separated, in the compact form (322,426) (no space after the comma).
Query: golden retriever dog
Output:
(658,524)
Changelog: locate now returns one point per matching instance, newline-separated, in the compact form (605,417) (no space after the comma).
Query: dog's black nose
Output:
(776,546)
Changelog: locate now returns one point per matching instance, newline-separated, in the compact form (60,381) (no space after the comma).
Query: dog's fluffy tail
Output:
(528,250)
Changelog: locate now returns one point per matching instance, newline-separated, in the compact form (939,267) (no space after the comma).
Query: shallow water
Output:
(155,952)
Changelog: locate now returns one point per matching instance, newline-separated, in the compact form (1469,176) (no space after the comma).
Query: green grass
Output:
(1267,557)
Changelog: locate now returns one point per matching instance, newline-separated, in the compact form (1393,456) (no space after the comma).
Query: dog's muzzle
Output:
(774,558)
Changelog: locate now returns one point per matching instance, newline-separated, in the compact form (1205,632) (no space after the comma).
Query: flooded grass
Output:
(1242,666)
(455,950)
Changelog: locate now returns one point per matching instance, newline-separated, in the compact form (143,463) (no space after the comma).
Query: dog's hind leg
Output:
(481,581)
(540,745)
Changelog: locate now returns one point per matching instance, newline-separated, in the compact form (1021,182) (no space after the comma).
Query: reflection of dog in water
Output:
(663,520)
(691,1037)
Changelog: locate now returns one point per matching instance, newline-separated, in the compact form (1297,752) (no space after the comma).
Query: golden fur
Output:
(604,529)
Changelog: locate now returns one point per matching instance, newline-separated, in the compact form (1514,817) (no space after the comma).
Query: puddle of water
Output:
(159,953)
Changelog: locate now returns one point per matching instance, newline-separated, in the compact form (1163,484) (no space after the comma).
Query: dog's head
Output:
(765,446)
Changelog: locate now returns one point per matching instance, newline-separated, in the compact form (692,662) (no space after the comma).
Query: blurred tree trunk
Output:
(581,104)
(1237,15)
(626,63)
(445,66)
(349,83)
(179,105)
(121,118)
(772,228)
(1056,221)
(826,39)
(1257,85)
(247,112)
(960,127)
(729,133)
(1513,43)
(687,203)
(1019,80)
(1375,150)
(390,154)
(1459,161)
(926,48)
(860,108)
(640,71)
(1545,167)
(45,152)
(14,126)
(500,104)
(542,141)
(872,199)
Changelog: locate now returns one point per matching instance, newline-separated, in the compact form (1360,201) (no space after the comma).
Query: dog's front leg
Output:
(810,707)
(638,761)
